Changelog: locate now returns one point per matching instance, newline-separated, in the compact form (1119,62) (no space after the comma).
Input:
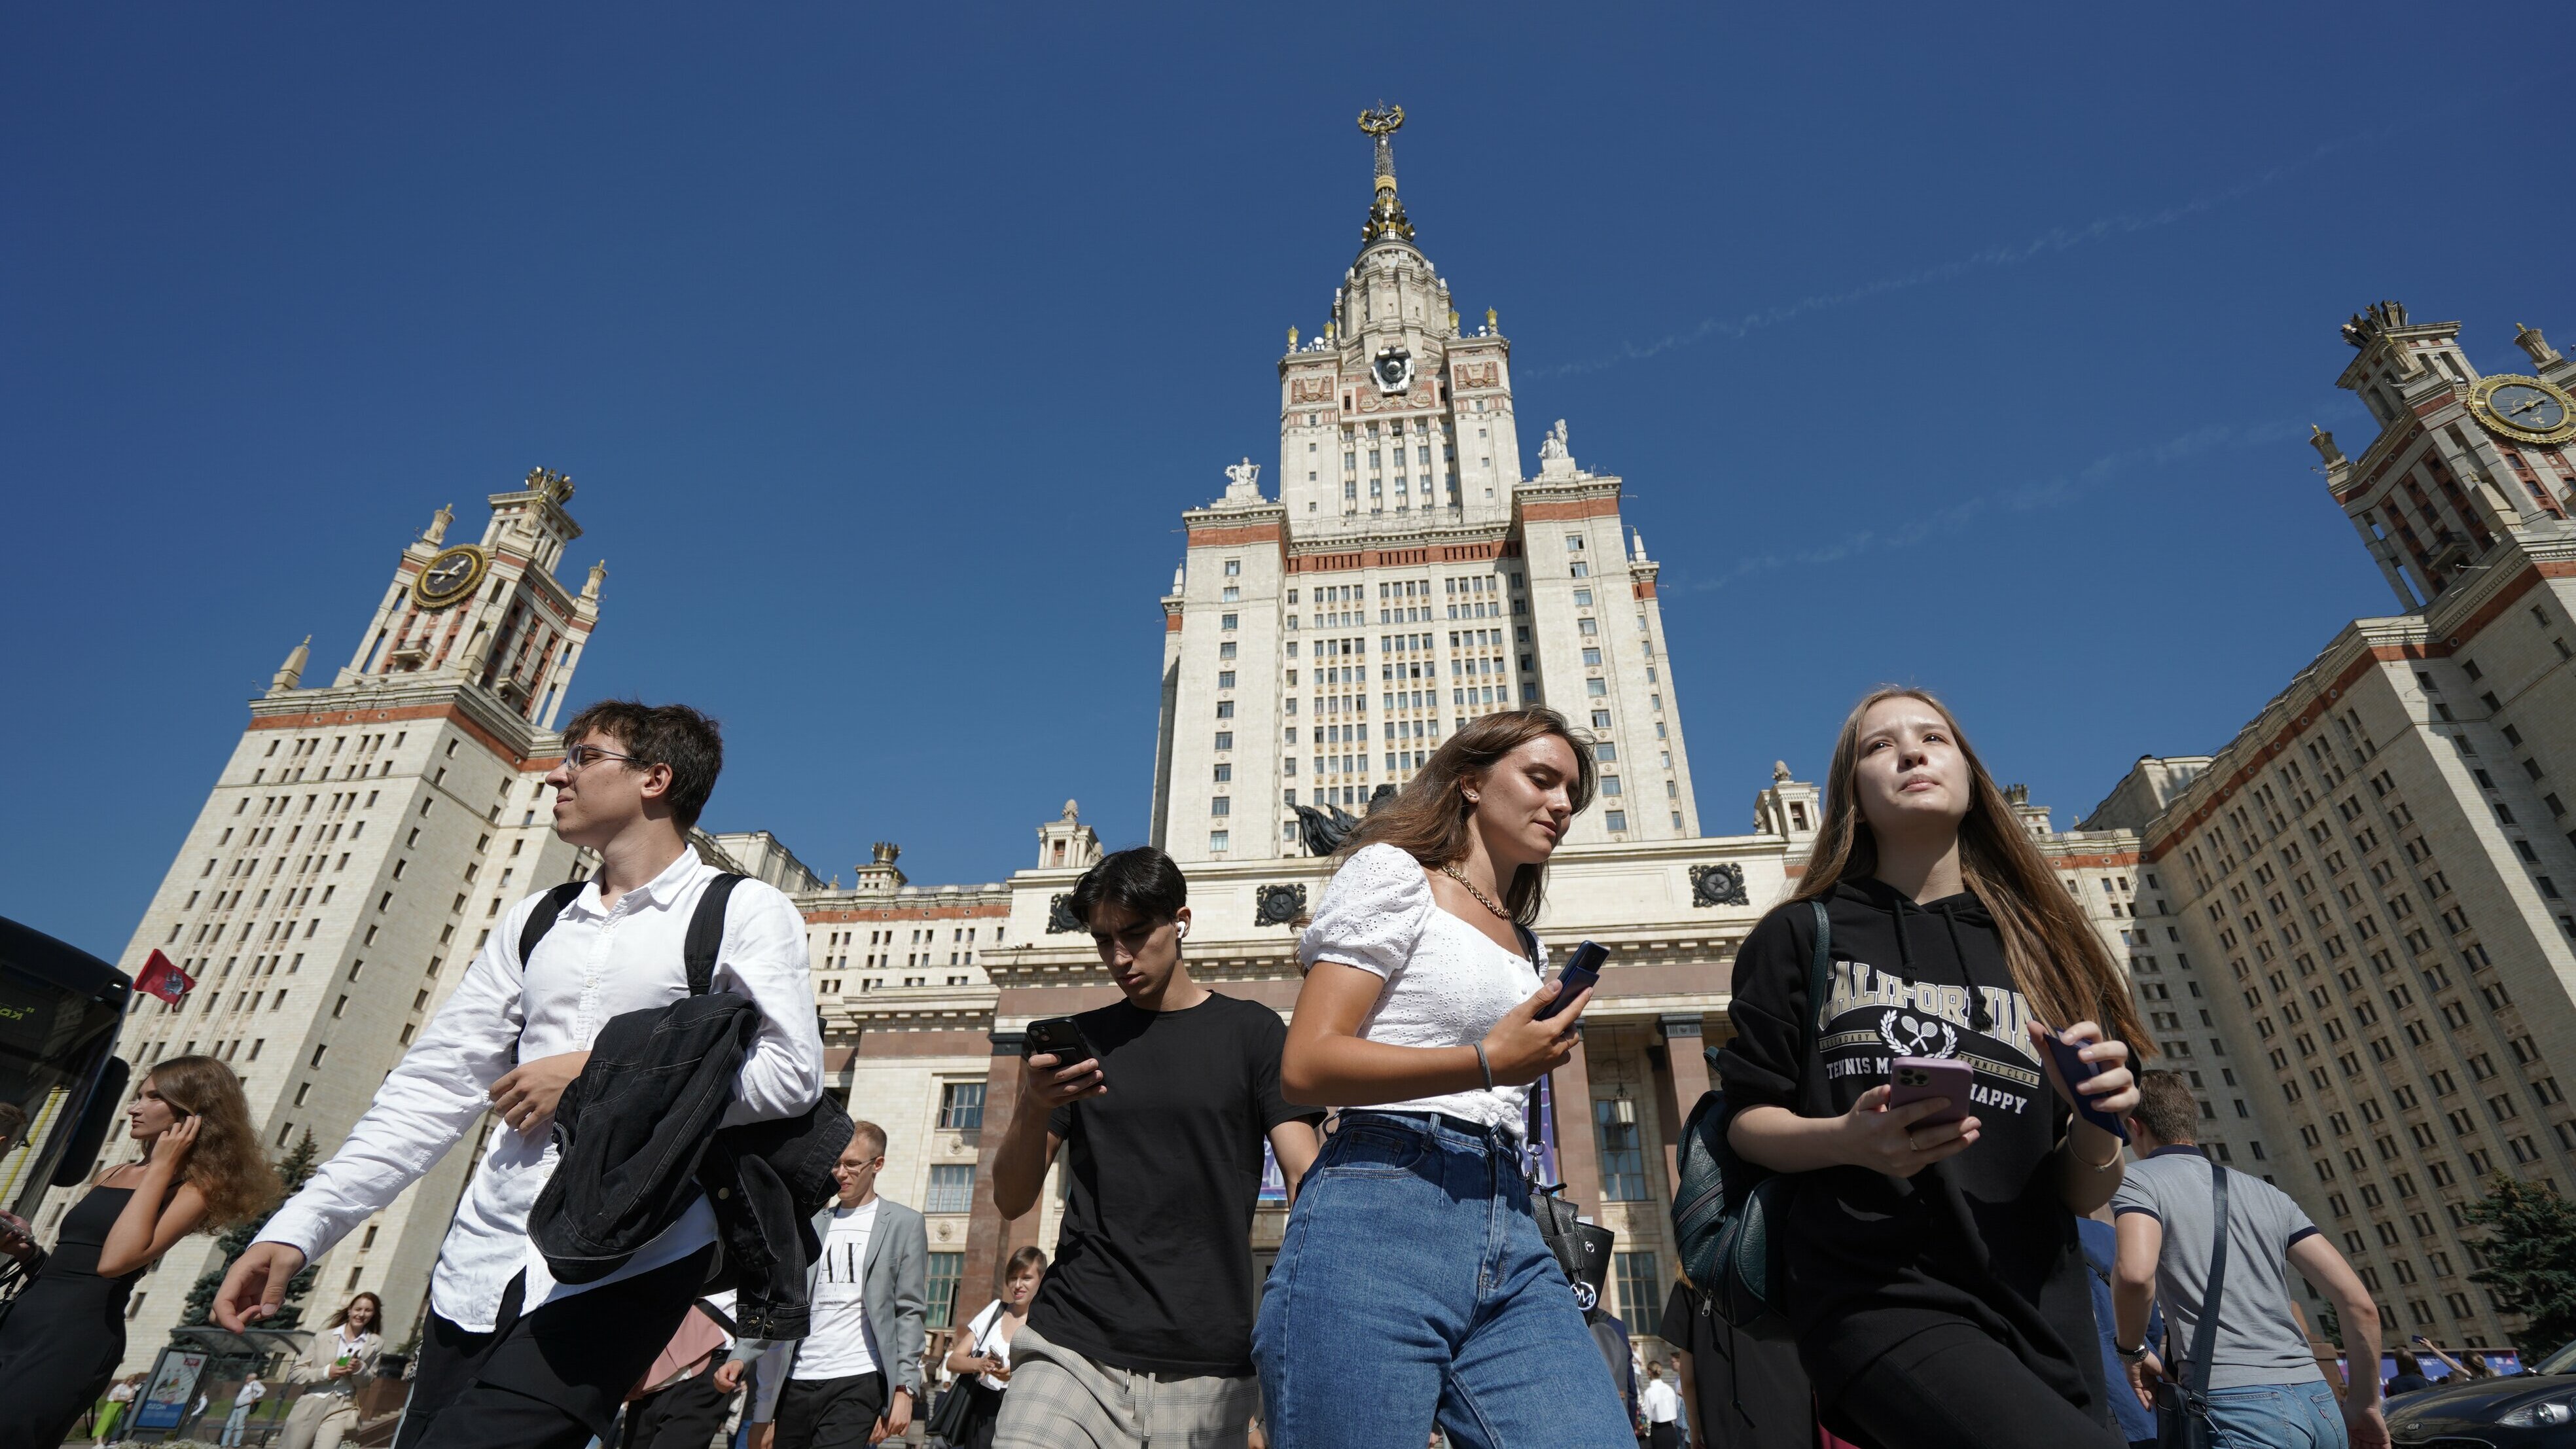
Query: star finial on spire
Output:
(1386,212)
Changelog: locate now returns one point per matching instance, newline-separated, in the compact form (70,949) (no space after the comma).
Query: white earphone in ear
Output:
(1181,929)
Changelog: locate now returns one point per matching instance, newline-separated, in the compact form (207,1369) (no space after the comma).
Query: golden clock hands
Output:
(2536,401)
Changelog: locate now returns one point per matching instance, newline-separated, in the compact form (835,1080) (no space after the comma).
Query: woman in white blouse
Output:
(1412,1285)
(984,1349)
(339,1361)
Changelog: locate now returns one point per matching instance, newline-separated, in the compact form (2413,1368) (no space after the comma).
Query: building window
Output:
(940,1298)
(961,1106)
(1221,805)
(1592,657)
(1225,621)
(1615,819)
(1234,566)
(1224,773)
(1595,688)
(1610,785)
(1219,840)
(1623,1153)
(1232,594)
(1225,739)
(952,1188)
(1641,1286)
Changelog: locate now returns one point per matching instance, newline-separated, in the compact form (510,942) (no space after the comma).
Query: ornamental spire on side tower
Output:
(1386,209)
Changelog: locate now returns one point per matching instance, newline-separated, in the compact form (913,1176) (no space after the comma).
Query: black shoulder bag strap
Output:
(1820,971)
(2204,1334)
(706,932)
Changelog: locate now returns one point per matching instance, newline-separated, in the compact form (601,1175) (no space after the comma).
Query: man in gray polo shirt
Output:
(2264,1384)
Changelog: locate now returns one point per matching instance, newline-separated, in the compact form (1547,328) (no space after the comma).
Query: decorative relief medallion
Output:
(1310,389)
(2525,409)
(1278,905)
(1060,917)
(451,576)
(1478,374)
(1718,885)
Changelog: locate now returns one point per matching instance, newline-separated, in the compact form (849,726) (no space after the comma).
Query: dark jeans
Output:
(830,1413)
(1957,1388)
(551,1379)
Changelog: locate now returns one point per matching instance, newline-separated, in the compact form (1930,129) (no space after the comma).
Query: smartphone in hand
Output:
(1582,972)
(1919,1079)
(2077,1072)
(1060,1036)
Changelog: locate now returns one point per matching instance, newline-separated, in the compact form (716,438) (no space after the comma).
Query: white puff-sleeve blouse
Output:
(1447,983)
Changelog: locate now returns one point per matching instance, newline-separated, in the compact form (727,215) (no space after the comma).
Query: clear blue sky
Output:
(1973,347)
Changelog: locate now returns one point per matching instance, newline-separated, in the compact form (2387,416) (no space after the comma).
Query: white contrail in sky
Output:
(2055,239)
(1922,528)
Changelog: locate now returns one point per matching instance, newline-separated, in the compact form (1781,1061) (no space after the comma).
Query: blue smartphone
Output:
(1582,972)
(2077,1072)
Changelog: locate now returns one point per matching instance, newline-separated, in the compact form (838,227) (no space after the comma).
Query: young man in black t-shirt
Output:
(1143,1329)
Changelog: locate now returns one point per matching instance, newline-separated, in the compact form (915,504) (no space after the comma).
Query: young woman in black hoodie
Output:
(1935,1279)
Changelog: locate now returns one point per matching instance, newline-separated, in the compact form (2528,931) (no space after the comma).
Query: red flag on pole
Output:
(162,977)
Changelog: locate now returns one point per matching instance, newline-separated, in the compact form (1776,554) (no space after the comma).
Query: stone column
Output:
(1682,1045)
(1577,1159)
(990,1241)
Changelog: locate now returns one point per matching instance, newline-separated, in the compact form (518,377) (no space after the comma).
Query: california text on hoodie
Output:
(1982,1238)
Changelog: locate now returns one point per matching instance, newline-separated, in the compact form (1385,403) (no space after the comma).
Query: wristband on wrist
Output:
(2130,1355)
(1484,1066)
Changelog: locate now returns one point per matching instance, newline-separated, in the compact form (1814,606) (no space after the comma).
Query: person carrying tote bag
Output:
(981,1358)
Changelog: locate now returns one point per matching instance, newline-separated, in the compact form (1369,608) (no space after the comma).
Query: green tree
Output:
(292,1170)
(2530,1252)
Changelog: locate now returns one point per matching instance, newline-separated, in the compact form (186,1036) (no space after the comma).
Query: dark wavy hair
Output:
(1427,819)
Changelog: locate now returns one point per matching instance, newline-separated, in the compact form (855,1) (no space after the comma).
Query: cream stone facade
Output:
(1323,640)
(2381,860)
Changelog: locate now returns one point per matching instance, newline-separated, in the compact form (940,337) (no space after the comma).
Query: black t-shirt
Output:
(1983,1237)
(1745,1393)
(1153,1265)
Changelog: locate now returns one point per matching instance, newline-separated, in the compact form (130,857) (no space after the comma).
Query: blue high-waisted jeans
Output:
(1412,1281)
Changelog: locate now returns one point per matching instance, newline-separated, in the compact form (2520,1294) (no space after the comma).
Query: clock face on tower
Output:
(2525,409)
(450,576)
(1393,370)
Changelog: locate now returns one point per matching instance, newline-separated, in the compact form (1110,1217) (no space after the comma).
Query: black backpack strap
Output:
(542,919)
(2204,1334)
(1820,970)
(706,932)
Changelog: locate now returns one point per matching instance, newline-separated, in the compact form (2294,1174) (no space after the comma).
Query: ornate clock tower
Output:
(2460,460)
(491,613)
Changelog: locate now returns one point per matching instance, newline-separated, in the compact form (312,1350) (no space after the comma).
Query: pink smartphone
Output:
(1915,1079)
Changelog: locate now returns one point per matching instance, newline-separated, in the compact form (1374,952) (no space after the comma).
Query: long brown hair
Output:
(1427,819)
(2058,961)
(227,1164)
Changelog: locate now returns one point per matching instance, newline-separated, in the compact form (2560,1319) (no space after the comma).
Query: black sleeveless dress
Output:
(64,1334)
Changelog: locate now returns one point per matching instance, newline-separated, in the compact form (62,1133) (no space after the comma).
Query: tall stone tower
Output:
(2460,459)
(352,856)
(1320,644)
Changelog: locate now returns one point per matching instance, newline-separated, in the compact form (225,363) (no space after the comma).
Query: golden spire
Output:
(1386,211)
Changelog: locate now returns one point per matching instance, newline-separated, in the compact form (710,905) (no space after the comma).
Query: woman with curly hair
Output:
(202,1168)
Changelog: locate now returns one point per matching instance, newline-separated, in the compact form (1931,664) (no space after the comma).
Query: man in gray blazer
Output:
(855,1377)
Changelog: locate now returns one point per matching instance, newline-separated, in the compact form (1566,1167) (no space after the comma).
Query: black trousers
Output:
(551,1379)
(684,1416)
(1957,1388)
(830,1413)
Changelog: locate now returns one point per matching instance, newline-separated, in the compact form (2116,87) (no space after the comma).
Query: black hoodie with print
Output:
(1983,1237)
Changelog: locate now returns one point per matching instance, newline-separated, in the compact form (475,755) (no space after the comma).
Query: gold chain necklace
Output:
(1482,899)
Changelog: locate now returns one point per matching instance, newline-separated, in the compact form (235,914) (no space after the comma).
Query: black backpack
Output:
(1725,1207)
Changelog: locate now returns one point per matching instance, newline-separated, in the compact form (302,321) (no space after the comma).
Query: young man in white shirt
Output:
(853,1379)
(510,1358)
